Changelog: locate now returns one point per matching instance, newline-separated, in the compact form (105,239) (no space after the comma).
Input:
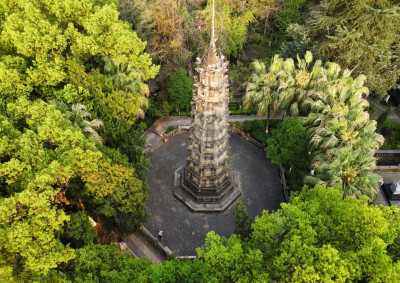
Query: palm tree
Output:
(295,85)
(342,138)
(262,91)
(127,79)
(349,168)
(80,118)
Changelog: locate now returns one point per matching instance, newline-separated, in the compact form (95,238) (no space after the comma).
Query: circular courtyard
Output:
(184,231)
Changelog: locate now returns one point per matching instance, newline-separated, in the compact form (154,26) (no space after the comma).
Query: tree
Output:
(79,231)
(316,237)
(46,164)
(242,221)
(362,36)
(126,79)
(335,111)
(40,37)
(290,12)
(320,237)
(263,9)
(180,270)
(288,144)
(180,87)
(262,91)
(29,225)
(79,116)
(231,260)
(107,263)
(232,19)
(351,169)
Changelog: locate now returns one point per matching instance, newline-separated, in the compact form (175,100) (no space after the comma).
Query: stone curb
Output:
(124,246)
(165,249)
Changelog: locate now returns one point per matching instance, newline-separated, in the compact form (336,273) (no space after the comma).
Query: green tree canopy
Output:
(242,221)
(107,263)
(45,158)
(288,144)
(180,87)
(363,35)
(335,116)
(320,237)
(232,19)
(38,38)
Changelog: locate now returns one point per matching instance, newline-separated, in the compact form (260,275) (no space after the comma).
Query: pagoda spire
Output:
(212,24)
(210,59)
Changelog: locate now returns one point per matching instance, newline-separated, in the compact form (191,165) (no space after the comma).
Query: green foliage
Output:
(232,21)
(342,138)
(317,237)
(79,231)
(158,108)
(288,144)
(177,270)
(180,87)
(251,125)
(242,112)
(290,13)
(231,260)
(29,225)
(383,118)
(320,237)
(79,116)
(394,133)
(256,128)
(107,263)
(40,150)
(169,129)
(242,221)
(362,36)
(66,50)
(38,36)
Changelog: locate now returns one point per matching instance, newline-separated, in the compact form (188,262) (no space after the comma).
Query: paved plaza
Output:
(183,230)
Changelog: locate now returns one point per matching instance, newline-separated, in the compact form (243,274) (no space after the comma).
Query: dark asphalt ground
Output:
(183,230)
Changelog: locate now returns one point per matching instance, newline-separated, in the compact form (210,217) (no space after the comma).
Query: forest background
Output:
(80,80)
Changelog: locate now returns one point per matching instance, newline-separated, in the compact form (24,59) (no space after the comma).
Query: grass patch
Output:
(169,129)
(391,132)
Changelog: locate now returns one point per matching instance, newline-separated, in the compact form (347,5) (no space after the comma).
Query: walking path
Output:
(141,246)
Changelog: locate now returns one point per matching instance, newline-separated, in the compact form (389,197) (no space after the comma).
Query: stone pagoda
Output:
(206,183)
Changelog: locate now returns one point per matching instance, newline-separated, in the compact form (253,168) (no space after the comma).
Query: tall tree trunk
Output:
(343,188)
(267,126)
(266,24)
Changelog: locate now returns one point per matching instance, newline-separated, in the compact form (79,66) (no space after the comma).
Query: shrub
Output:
(382,118)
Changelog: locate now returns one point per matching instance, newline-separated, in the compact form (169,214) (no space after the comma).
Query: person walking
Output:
(160,234)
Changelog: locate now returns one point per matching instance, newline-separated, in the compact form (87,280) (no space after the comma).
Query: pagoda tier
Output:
(207,178)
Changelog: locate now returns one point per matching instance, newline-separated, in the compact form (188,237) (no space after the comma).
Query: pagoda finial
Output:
(212,23)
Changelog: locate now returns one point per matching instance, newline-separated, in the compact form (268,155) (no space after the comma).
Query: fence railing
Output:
(247,137)
(387,157)
(283,181)
(174,132)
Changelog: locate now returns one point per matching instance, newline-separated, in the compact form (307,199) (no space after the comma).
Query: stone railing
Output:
(174,132)
(247,137)
(167,251)
(283,181)
(387,157)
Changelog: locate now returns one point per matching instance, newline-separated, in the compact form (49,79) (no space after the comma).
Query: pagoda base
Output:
(212,207)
